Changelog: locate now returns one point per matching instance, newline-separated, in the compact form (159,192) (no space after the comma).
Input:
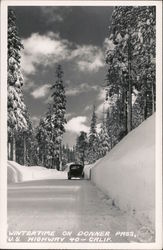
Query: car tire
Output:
(69,177)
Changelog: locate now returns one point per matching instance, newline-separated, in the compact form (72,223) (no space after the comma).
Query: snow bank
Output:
(19,173)
(127,173)
(87,169)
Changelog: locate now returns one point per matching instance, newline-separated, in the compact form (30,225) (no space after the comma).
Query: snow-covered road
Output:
(66,205)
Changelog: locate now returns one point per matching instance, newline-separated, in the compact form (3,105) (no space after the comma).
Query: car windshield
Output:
(76,166)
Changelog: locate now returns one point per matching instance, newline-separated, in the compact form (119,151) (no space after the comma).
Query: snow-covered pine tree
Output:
(16,107)
(93,139)
(30,146)
(24,142)
(32,157)
(58,120)
(109,127)
(119,58)
(145,53)
(51,134)
(82,147)
(41,136)
(104,139)
(71,157)
(138,110)
(130,58)
(68,154)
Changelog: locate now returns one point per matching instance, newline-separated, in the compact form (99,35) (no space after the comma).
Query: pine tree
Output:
(109,127)
(16,107)
(32,158)
(30,147)
(138,110)
(41,136)
(51,134)
(68,154)
(81,147)
(104,140)
(120,73)
(145,59)
(93,139)
(131,63)
(56,117)
(25,143)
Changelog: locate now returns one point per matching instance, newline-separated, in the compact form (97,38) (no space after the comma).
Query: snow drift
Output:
(87,169)
(127,173)
(19,173)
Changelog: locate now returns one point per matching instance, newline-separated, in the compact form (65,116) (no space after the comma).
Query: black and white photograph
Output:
(81,125)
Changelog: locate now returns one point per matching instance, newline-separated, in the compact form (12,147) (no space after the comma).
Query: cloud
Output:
(49,99)
(89,58)
(81,88)
(72,92)
(49,49)
(54,13)
(28,84)
(76,124)
(43,50)
(102,94)
(41,91)
(100,108)
(88,108)
(68,115)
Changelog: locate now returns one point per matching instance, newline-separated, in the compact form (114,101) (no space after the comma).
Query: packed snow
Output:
(87,169)
(76,206)
(127,173)
(19,173)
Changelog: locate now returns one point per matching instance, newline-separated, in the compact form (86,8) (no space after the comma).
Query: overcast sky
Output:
(74,37)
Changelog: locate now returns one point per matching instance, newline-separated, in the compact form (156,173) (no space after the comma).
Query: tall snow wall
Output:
(127,173)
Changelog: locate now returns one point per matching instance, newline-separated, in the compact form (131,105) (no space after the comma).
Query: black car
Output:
(76,170)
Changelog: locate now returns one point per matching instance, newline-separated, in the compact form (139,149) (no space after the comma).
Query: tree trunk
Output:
(129,110)
(53,162)
(60,157)
(13,149)
(9,150)
(111,142)
(57,163)
(42,159)
(108,127)
(25,150)
(129,98)
(124,100)
(83,158)
(145,104)
(153,98)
